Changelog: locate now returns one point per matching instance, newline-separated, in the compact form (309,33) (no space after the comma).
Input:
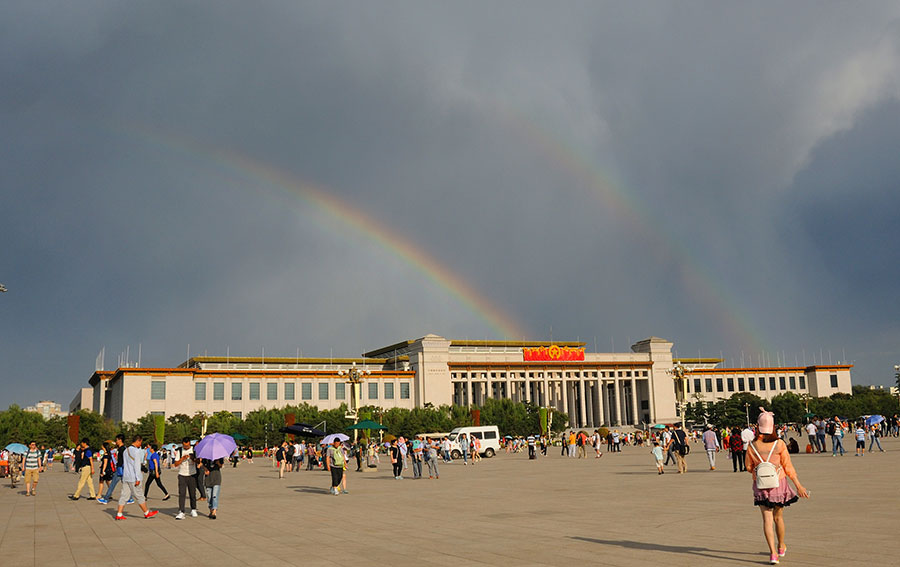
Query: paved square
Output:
(504,511)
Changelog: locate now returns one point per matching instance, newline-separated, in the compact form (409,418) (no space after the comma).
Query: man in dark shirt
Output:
(85,463)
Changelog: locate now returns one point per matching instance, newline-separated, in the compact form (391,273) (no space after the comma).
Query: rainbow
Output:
(696,277)
(255,169)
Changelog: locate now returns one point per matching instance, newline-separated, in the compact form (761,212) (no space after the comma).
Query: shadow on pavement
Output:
(688,550)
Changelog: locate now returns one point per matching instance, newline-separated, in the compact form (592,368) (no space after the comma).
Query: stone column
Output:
(582,414)
(634,404)
(616,402)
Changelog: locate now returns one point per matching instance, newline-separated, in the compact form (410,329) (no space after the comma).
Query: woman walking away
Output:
(737,449)
(212,470)
(155,468)
(107,468)
(396,460)
(771,490)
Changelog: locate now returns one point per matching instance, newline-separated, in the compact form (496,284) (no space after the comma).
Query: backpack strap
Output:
(775,444)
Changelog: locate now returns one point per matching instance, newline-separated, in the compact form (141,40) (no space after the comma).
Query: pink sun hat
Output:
(766,421)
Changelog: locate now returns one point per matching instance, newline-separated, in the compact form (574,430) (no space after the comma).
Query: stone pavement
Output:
(504,511)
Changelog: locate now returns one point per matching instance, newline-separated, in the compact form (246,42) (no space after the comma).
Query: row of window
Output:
(158,391)
(540,375)
(780,383)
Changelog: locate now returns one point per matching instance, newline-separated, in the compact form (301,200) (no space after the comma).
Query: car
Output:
(488,434)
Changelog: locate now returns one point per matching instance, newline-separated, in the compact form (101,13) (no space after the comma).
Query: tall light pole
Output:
(355,378)
(747,409)
(678,374)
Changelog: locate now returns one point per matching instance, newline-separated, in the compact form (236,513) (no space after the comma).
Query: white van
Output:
(488,434)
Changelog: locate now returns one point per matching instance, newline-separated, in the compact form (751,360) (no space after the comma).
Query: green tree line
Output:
(792,408)
(262,426)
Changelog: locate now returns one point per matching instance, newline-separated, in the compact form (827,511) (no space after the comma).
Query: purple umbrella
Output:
(215,446)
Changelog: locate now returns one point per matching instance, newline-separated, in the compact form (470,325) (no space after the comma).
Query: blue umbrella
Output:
(17,448)
(873,419)
(215,446)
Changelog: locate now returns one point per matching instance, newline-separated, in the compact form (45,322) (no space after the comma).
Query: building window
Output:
(340,391)
(404,390)
(762,383)
(272,391)
(254,390)
(709,384)
(793,382)
(751,381)
(696,384)
(162,413)
(740,384)
(720,387)
(237,390)
(306,391)
(834,381)
(389,390)
(218,390)
(157,390)
(731,384)
(236,414)
(323,390)
(199,391)
(803,382)
(289,390)
(772,383)
(373,390)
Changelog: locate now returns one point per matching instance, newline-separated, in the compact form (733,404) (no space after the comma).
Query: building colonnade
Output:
(590,397)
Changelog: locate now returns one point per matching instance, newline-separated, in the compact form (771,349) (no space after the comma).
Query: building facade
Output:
(47,409)
(593,389)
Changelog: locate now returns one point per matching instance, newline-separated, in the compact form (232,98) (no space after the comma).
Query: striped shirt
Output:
(32,460)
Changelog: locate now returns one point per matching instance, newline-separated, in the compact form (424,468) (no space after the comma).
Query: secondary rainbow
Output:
(696,277)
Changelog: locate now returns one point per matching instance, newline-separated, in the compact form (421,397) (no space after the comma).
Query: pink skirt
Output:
(778,497)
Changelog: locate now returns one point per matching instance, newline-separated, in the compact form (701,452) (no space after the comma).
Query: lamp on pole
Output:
(355,377)
(678,374)
(747,409)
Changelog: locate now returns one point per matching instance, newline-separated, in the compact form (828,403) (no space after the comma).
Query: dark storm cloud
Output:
(496,137)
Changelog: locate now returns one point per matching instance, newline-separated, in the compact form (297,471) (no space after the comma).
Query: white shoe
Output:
(179,516)
(193,513)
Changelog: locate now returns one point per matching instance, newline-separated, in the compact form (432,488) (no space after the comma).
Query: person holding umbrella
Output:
(212,470)
(213,449)
(334,462)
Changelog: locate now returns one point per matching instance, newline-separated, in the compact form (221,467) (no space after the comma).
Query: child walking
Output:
(658,457)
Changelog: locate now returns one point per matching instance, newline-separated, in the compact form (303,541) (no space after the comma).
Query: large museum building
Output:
(593,389)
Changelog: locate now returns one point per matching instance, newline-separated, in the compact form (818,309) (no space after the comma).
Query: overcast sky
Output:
(337,177)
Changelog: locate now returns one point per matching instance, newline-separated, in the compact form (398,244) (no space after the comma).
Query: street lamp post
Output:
(897,379)
(678,374)
(355,378)
(747,409)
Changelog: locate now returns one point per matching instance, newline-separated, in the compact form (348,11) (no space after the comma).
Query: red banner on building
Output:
(73,421)
(289,420)
(553,352)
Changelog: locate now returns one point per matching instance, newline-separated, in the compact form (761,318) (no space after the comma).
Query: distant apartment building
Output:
(47,409)
(593,389)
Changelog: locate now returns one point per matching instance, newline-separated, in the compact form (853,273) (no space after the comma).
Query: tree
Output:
(788,407)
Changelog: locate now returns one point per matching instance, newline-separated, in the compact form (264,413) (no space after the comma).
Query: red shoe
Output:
(151,513)
(118,517)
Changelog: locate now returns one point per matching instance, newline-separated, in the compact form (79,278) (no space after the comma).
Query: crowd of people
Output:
(760,449)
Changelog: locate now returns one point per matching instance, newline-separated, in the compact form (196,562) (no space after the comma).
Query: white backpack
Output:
(766,472)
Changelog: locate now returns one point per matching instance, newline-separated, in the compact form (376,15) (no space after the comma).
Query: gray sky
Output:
(338,177)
